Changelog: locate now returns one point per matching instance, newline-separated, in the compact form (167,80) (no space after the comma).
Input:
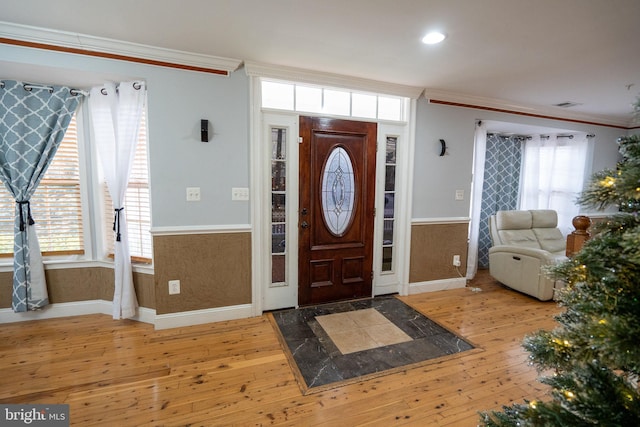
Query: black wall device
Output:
(443,148)
(204,130)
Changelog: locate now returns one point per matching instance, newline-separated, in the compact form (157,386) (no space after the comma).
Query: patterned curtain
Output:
(501,186)
(33,121)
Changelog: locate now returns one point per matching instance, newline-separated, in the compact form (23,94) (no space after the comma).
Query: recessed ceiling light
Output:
(433,37)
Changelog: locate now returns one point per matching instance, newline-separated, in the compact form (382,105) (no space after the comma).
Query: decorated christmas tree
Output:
(591,361)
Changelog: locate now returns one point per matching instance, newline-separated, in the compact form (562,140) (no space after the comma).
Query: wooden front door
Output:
(336,212)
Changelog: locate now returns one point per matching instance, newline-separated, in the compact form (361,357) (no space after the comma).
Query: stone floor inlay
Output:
(331,343)
(361,330)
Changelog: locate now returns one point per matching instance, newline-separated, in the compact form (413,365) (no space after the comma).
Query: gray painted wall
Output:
(177,101)
(437,178)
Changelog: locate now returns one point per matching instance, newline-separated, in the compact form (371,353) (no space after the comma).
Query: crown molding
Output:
(437,96)
(43,38)
(256,69)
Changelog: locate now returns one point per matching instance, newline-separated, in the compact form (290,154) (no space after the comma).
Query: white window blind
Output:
(137,205)
(55,205)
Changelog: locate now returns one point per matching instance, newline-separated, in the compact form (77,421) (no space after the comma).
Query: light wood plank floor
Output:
(124,373)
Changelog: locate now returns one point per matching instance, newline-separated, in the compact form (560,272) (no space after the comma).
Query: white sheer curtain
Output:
(476,197)
(115,112)
(553,175)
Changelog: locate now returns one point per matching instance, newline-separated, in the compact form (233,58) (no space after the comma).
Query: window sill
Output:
(58,264)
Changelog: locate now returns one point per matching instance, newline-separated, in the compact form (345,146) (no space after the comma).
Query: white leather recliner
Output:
(524,242)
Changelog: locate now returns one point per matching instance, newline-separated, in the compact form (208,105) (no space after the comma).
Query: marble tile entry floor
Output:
(331,344)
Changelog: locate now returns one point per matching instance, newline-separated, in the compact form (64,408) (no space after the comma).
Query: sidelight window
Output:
(278,205)
(389,203)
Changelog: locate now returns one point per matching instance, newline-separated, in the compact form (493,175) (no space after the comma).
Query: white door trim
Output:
(260,199)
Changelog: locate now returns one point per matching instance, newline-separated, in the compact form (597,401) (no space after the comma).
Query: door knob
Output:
(304,224)
(304,211)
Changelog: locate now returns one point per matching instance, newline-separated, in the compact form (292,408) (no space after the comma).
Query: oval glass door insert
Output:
(338,191)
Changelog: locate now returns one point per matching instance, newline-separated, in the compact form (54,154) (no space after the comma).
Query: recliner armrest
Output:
(545,256)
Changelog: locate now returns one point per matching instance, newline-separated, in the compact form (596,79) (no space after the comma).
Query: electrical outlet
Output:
(459,195)
(456,260)
(193,194)
(174,287)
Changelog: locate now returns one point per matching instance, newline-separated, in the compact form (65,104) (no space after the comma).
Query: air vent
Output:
(567,104)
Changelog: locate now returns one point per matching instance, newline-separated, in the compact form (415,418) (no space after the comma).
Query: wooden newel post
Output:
(579,236)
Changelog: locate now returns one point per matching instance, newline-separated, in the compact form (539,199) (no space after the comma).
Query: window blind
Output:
(55,206)
(137,205)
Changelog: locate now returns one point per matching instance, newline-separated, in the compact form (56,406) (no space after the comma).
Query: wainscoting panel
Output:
(433,245)
(77,284)
(214,270)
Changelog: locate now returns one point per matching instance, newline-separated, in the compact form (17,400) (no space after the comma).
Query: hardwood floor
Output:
(124,373)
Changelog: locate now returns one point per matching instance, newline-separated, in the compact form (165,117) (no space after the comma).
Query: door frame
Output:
(260,200)
(340,267)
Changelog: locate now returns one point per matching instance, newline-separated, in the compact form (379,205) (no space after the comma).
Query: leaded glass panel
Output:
(278,175)
(390,178)
(278,234)
(389,203)
(338,191)
(387,258)
(387,233)
(278,205)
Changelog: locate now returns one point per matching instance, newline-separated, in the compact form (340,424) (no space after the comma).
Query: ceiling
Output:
(518,52)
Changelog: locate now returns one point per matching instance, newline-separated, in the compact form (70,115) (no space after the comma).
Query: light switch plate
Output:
(240,193)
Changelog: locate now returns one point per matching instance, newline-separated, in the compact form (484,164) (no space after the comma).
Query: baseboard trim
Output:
(392,288)
(437,285)
(197,317)
(146,315)
(67,309)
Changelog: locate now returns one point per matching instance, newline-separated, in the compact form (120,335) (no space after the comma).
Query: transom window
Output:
(332,101)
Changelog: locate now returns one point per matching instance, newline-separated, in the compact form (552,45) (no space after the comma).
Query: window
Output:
(278,205)
(331,101)
(553,172)
(389,203)
(137,205)
(57,209)
(56,204)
